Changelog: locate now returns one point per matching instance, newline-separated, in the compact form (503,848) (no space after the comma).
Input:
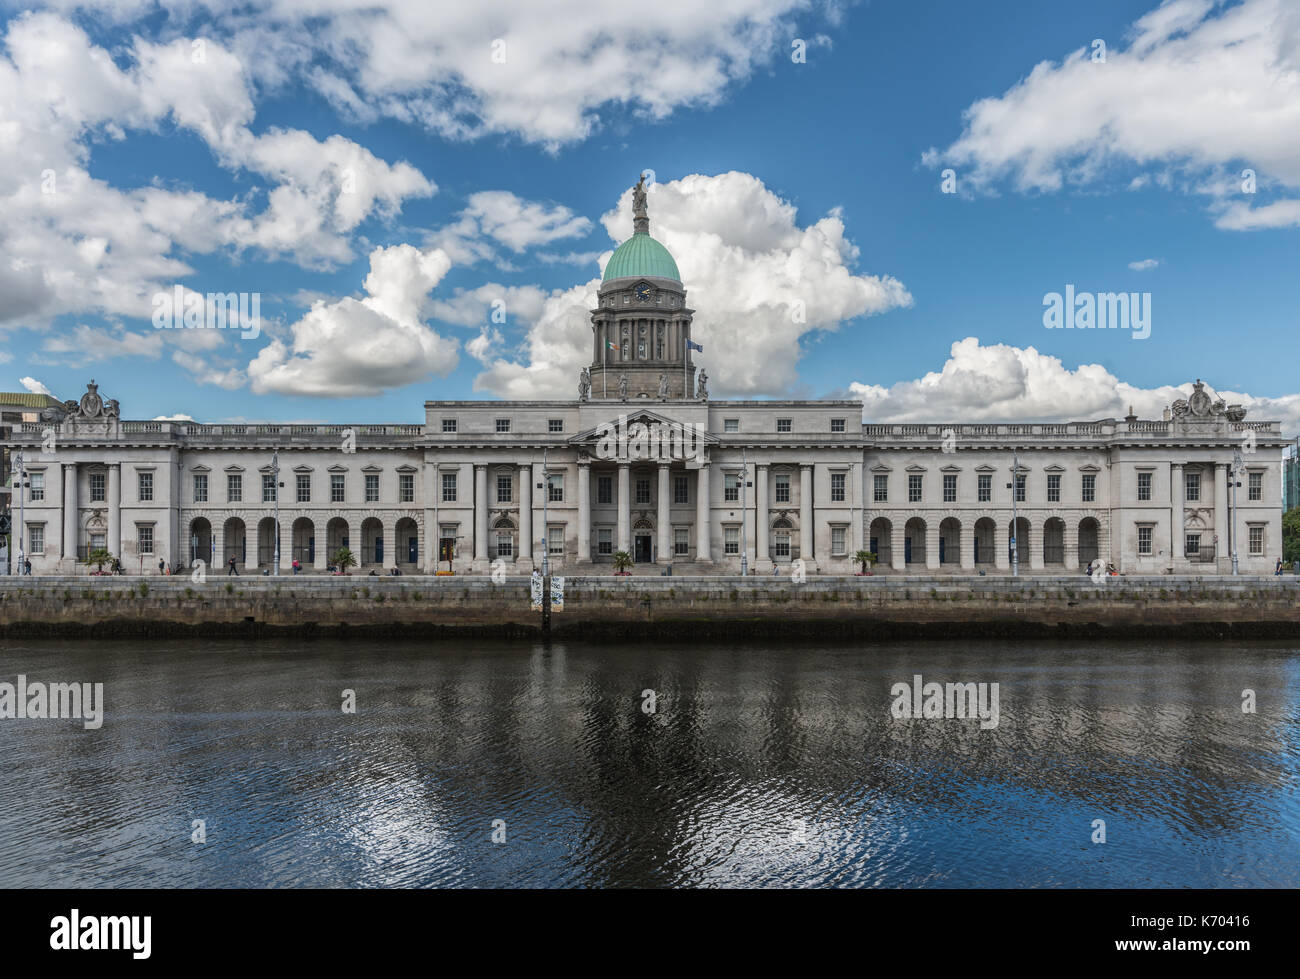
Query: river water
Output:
(494,764)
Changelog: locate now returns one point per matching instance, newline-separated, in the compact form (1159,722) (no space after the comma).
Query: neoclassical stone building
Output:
(644,461)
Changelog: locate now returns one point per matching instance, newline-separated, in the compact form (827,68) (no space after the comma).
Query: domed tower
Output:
(641,325)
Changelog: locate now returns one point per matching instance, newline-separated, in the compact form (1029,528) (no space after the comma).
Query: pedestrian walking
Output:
(232,570)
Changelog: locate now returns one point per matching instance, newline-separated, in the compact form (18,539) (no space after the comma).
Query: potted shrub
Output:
(622,563)
(344,559)
(866,559)
(98,557)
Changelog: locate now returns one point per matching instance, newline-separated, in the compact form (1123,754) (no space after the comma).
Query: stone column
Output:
(703,511)
(480,516)
(525,514)
(1036,539)
(897,552)
(664,528)
(1222,554)
(1177,492)
(391,543)
(967,537)
(70,511)
(624,508)
(115,513)
(286,543)
(321,535)
(762,519)
(1072,545)
(428,546)
(356,545)
(931,545)
(806,535)
(584,511)
(1002,544)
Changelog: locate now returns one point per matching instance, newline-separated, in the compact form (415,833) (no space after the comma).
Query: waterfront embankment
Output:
(666,608)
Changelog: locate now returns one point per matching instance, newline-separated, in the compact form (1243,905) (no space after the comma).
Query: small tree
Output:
(864,558)
(1291,535)
(344,559)
(622,561)
(99,557)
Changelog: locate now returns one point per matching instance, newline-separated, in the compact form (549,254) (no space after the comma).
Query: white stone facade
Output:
(1145,496)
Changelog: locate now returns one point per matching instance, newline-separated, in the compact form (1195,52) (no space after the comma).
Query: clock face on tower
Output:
(643,292)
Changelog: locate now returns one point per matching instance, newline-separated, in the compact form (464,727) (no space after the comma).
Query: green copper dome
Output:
(640,256)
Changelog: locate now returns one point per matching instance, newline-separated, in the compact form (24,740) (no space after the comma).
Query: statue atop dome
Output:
(640,218)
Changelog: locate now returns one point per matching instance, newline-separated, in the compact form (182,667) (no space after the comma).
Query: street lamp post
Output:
(744,514)
(21,555)
(545,487)
(1015,488)
(275,477)
(1238,464)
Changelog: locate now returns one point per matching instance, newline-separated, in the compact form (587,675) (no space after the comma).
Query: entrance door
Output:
(642,548)
(412,550)
(977,549)
(907,550)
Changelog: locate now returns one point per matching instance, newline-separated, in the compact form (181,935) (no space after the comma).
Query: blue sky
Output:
(1070,175)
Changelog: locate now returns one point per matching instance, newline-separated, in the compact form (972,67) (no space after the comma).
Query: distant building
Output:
(644,461)
(1291,477)
(16,407)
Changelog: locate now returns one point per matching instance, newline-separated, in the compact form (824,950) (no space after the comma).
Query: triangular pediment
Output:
(640,416)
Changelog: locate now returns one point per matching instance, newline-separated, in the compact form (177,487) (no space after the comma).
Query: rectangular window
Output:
(643,491)
(1022,487)
(303,486)
(505,489)
(36,536)
(38,486)
(985,487)
(268,488)
(200,488)
(372,487)
(1089,488)
(1256,541)
(1192,545)
(837,424)
(144,539)
(555,488)
(145,486)
(1144,486)
(681,493)
(505,544)
(337,494)
(406,487)
(1255,486)
(914,488)
(949,487)
(503,425)
(604,541)
(555,541)
(731,540)
(234,488)
(781,544)
(449,425)
(681,541)
(730,487)
(97,488)
(1144,540)
(782,488)
(1193,484)
(1053,487)
(837,487)
(731,424)
(837,541)
(555,425)
(605,489)
(783,424)
(880,488)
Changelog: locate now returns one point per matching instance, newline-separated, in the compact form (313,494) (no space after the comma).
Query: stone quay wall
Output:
(674,609)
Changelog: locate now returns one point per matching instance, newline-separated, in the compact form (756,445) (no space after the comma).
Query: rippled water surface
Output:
(760,766)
